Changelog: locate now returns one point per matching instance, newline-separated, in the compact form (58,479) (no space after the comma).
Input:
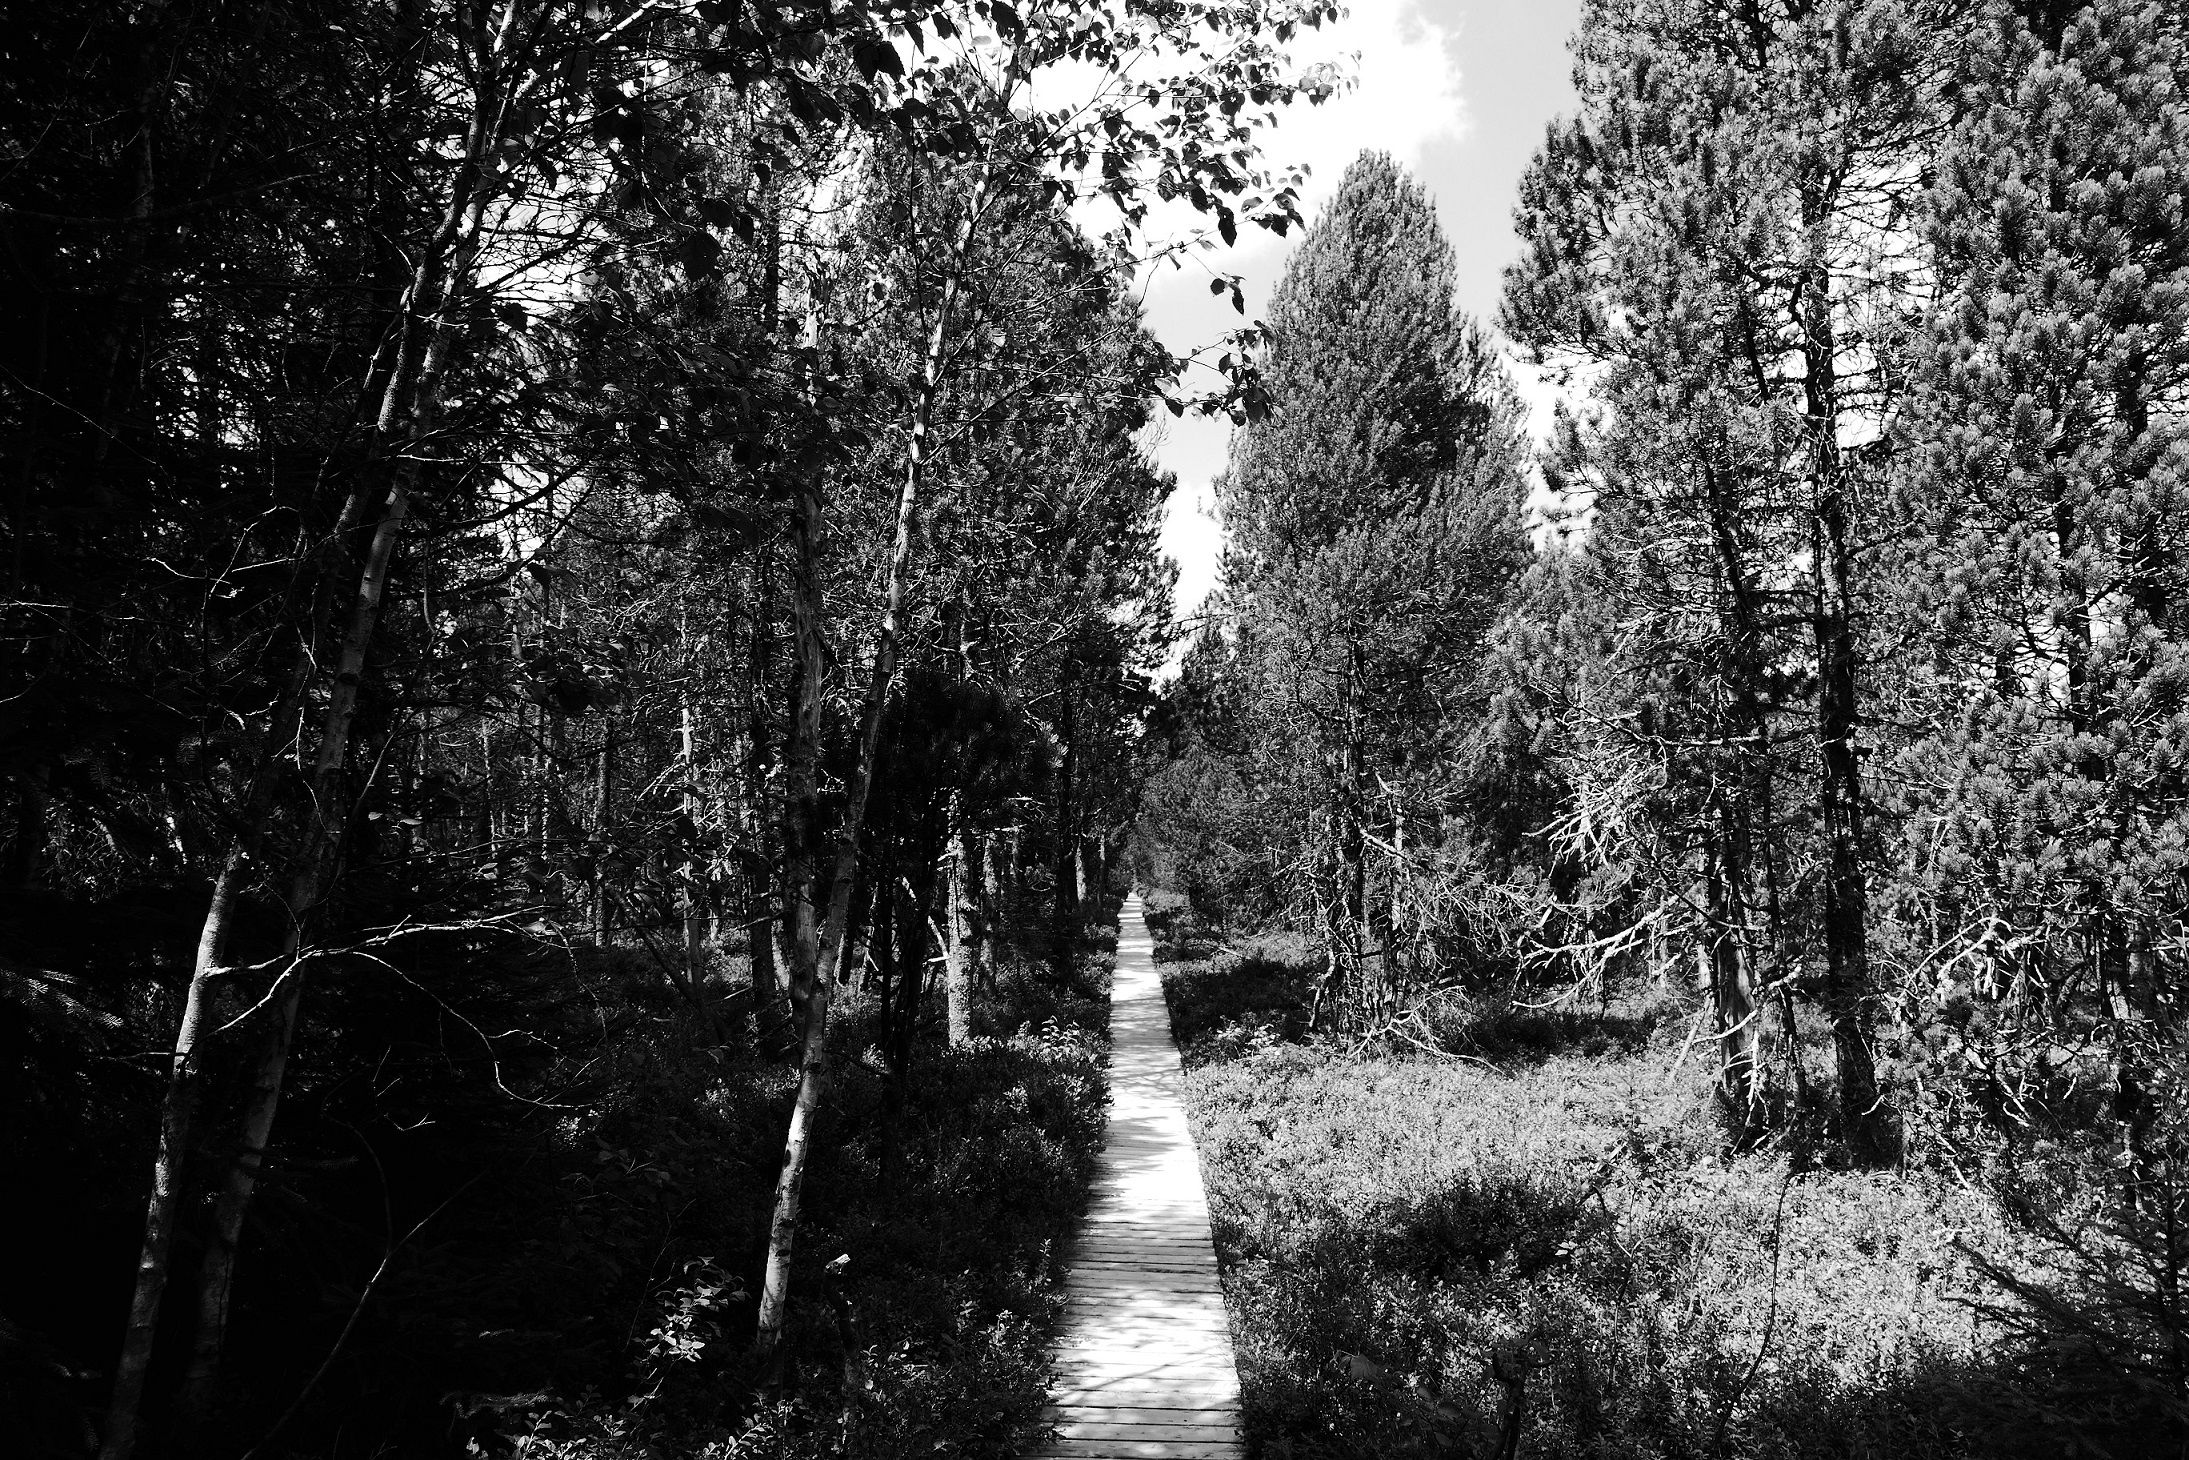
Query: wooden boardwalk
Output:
(1144,1369)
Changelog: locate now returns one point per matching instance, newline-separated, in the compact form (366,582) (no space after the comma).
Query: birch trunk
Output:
(314,876)
(813,1064)
(178,1109)
(957,970)
(408,409)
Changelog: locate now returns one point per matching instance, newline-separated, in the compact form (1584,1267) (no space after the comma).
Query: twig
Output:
(355,1313)
(1771,1314)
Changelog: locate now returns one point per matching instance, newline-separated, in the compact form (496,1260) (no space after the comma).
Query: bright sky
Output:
(1459,92)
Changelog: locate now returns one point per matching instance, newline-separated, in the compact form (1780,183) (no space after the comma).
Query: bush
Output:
(1240,999)
(1412,1240)
(929,1266)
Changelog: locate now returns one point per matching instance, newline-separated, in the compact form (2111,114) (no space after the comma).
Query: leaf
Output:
(874,56)
(698,252)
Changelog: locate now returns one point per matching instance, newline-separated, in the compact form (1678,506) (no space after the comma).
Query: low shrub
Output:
(1241,999)
(1545,1242)
(929,1266)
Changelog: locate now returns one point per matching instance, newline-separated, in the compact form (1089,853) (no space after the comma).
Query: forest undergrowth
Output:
(558,1255)
(1504,1209)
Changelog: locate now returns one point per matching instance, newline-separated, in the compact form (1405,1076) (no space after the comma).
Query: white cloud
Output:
(1406,95)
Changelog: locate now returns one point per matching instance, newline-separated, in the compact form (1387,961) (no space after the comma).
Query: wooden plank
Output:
(1149,1414)
(1185,1362)
(1139,1449)
(1088,1399)
(1138,1352)
(1106,1430)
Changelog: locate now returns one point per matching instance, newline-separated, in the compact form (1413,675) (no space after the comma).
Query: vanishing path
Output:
(1145,1367)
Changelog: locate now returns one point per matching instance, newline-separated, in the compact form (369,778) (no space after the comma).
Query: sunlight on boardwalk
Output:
(1145,1368)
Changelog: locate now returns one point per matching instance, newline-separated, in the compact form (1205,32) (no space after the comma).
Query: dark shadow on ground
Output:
(1401,1334)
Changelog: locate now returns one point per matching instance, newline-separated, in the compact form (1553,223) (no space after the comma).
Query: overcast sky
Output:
(1459,92)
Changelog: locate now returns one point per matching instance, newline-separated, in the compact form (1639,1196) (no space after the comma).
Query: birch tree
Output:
(1176,95)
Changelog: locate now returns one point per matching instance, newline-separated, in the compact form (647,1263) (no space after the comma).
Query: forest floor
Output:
(585,1219)
(1539,1210)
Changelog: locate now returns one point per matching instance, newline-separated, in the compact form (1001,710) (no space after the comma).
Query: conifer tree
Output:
(1374,523)
(1722,234)
(2049,510)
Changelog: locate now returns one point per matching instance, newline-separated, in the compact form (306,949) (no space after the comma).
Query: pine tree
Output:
(1374,523)
(2050,510)
(1721,234)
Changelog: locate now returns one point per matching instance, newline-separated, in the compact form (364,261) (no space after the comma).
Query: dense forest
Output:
(1813,696)
(588,660)
(581,582)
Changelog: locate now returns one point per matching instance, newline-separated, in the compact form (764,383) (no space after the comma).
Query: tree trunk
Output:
(1846,985)
(314,877)
(977,861)
(1394,907)
(603,789)
(408,406)
(801,800)
(760,918)
(1728,973)
(914,938)
(813,1069)
(957,894)
(1347,825)
(178,1109)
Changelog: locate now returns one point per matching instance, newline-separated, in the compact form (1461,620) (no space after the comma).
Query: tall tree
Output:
(1374,519)
(2043,570)
(1722,233)
(1172,106)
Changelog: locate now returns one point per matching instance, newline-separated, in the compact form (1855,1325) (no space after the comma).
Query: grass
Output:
(1541,1211)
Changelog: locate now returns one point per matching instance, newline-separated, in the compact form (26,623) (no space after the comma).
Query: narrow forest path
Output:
(1144,1368)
